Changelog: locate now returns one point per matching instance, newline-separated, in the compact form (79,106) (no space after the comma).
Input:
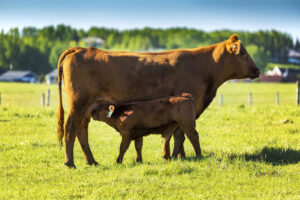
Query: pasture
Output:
(249,152)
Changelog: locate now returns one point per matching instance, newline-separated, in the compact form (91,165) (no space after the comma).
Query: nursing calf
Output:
(160,116)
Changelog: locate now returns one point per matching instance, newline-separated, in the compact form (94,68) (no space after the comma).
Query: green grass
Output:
(249,152)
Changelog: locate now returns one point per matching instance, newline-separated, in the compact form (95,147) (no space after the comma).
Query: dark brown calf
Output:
(160,116)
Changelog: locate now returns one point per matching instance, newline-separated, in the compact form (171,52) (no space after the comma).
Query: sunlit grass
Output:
(249,152)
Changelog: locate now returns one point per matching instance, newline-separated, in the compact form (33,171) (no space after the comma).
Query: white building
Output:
(52,77)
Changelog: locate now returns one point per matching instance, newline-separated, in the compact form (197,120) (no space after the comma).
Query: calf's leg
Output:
(192,134)
(194,138)
(123,147)
(179,138)
(138,147)
(167,134)
(166,147)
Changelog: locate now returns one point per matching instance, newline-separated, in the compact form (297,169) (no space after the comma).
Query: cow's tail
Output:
(60,111)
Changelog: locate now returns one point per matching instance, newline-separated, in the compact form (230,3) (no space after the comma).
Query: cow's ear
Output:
(233,38)
(233,44)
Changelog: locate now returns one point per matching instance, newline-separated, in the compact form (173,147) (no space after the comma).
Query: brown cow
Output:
(92,76)
(161,116)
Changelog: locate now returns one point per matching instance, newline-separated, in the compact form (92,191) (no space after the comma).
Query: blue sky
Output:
(209,15)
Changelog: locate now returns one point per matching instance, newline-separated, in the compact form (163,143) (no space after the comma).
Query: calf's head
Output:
(103,112)
(238,62)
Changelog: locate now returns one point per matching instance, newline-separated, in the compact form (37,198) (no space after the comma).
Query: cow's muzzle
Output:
(255,72)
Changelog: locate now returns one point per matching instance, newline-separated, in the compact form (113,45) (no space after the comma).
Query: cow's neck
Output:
(217,75)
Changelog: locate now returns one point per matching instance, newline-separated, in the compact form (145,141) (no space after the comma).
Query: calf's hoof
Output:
(139,160)
(92,163)
(70,165)
(119,161)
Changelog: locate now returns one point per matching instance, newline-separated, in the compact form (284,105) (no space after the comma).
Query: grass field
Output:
(249,152)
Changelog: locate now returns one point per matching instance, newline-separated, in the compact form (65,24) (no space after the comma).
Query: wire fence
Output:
(271,98)
(229,94)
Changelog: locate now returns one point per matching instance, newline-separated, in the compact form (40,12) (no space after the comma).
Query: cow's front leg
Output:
(82,135)
(182,151)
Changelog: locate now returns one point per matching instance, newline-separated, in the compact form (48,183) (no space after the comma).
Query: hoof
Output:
(92,163)
(70,165)
(199,156)
(166,158)
(139,161)
(95,163)
(181,156)
(119,161)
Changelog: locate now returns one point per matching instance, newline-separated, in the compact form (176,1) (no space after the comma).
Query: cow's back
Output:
(124,76)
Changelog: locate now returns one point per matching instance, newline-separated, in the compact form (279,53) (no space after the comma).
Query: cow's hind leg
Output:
(182,151)
(138,147)
(71,127)
(82,135)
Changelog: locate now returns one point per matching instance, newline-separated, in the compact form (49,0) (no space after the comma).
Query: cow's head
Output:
(240,62)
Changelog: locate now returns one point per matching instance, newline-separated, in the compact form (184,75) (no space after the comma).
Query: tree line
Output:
(38,49)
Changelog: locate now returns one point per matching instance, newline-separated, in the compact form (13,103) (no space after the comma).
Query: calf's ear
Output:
(233,44)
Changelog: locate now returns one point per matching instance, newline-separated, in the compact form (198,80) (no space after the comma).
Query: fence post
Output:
(220,99)
(298,92)
(250,99)
(48,97)
(277,98)
(43,99)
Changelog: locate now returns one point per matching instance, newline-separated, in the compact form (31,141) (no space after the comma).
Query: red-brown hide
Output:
(92,76)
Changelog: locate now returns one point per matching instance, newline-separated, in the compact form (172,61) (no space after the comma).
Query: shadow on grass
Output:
(275,156)
(192,158)
(270,155)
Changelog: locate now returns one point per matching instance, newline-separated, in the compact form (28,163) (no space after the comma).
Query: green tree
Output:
(56,51)
(259,56)
(38,49)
